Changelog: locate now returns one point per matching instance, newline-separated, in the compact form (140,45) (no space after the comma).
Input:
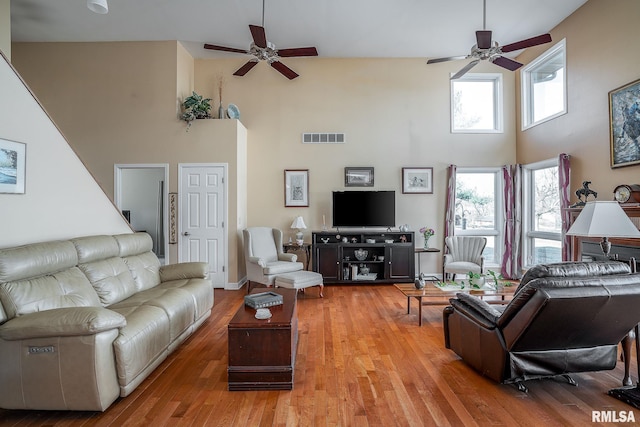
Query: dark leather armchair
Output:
(564,318)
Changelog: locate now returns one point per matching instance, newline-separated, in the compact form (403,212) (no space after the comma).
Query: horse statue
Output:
(585,192)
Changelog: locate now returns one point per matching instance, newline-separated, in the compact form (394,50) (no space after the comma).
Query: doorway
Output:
(141,194)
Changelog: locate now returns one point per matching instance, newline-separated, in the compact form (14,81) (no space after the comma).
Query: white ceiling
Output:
(338,28)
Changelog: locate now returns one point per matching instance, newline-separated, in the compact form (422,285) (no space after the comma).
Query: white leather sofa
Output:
(86,320)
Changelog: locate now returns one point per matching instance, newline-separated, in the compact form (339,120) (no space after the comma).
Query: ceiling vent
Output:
(323,138)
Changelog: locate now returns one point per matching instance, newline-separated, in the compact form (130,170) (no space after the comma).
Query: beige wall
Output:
(116,102)
(394,112)
(61,200)
(5,28)
(602,55)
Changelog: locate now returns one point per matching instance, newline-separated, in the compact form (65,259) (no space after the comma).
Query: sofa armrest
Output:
(287,257)
(59,322)
(183,270)
(476,309)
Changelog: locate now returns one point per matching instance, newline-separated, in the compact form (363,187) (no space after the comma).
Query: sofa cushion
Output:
(200,290)
(38,259)
(68,288)
(141,342)
(95,248)
(177,304)
(136,250)
(111,279)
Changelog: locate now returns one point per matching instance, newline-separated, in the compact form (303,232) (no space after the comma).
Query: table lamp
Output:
(603,219)
(607,219)
(299,224)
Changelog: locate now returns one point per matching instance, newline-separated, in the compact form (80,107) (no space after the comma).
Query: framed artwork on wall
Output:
(417,180)
(13,161)
(296,188)
(358,177)
(173,218)
(624,125)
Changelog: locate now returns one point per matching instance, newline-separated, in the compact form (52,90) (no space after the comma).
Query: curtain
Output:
(564,178)
(512,255)
(450,207)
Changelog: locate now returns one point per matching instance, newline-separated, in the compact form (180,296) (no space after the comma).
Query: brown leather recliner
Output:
(564,318)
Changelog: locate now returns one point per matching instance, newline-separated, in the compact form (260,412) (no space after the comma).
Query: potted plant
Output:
(196,107)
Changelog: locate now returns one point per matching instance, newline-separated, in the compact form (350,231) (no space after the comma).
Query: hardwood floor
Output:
(361,361)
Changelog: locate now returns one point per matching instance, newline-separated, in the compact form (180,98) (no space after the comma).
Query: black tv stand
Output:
(390,256)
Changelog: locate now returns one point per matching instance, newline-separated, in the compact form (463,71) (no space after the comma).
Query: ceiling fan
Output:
(263,50)
(486,49)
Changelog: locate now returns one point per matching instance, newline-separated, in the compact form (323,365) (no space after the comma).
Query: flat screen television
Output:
(364,209)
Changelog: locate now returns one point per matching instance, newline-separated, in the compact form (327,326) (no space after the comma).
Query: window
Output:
(478,208)
(542,222)
(476,103)
(544,87)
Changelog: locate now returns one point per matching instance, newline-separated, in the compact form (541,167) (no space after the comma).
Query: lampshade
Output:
(98,6)
(298,223)
(603,219)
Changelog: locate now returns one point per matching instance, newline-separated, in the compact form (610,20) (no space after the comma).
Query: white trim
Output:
(225,213)
(526,107)
(496,79)
(528,233)
(117,194)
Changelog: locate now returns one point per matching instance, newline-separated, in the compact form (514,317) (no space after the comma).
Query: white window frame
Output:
(526,86)
(498,202)
(496,79)
(528,230)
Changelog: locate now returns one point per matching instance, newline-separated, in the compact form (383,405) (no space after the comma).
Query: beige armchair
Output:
(264,256)
(464,255)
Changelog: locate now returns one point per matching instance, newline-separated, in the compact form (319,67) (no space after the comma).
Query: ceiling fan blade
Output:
(223,48)
(483,39)
(284,70)
(507,63)
(245,68)
(259,36)
(298,51)
(523,44)
(465,69)
(450,58)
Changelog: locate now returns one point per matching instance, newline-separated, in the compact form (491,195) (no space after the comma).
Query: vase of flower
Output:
(427,233)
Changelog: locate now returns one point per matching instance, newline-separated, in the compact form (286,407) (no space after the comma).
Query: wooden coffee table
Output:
(433,295)
(262,352)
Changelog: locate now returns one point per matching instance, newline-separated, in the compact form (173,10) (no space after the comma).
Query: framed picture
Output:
(296,188)
(13,162)
(417,180)
(624,125)
(358,177)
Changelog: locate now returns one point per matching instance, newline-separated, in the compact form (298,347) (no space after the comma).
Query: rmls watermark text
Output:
(613,417)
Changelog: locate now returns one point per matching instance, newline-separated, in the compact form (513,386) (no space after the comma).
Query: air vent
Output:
(323,138)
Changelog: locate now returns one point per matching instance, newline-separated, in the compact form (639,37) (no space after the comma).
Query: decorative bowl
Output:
(361,254)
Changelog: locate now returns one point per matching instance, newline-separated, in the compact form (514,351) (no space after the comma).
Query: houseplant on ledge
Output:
(196,107)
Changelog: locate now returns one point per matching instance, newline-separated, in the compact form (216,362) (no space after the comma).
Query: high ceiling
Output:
(338,28)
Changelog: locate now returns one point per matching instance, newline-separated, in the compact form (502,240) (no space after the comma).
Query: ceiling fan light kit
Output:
(98,6)
(487,49)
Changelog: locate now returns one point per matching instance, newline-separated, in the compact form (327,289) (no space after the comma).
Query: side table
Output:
(420,251)
(294,247)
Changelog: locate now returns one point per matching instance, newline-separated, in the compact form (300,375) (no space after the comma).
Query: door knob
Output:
(186,233)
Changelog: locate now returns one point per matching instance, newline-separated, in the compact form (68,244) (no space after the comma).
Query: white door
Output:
(202,218)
